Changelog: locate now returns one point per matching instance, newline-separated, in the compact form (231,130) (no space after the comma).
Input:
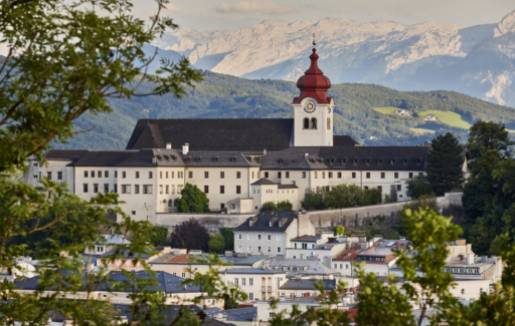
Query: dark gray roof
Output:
(213,134)
(241,314)
(251,270)
(219,134)
(263,181)
(269,221)
(287,186)
(307,284)
(217,158)
(399,158)
(343,140)
(117,281)
(65,154)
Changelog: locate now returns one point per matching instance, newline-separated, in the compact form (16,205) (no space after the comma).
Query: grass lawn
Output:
(449,118)
(421,131)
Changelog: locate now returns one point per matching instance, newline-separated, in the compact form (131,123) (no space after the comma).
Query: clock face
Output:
(310,107)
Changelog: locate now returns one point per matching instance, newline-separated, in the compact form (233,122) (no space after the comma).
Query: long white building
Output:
(239,163)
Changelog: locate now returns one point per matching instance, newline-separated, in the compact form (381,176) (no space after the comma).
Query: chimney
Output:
(185,149)
(168,145)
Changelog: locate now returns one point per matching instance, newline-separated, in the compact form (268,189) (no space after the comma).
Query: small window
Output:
(259,236)
(84,187)
(106,187)
(85,174)
(238,175)
(124,174)
(339,175)
(206,174)
(353,175)
(150,174)
(95,188)
(136,189)
(136,174)
(60,175)
(399,187)
(304,174)
(106,174)
(396,175)
(328,123)
(306,123)
(222,174)
(287,174)
(314,123)
(410,175)
(92,173)
(368,175)
(238,189)
(383,175)
(190,174)
(222,189)
(206,189)
(266,175)
(279,175)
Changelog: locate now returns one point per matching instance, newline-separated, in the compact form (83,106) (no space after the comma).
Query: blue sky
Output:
(224,14)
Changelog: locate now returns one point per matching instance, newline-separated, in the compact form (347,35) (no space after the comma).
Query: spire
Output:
(314,83)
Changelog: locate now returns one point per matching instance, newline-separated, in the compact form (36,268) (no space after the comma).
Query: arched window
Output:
(328,123)
(306,123)
(313,123)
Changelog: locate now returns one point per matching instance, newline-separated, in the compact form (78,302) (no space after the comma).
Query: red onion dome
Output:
(314,83)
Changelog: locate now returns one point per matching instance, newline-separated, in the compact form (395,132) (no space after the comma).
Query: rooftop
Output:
(268,221)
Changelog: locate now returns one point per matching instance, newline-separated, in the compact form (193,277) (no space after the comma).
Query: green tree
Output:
(488,193)
(313,201)
(339,230)
(64,59)
(419,186)
(216,243)
(268,207)
(192,200)
(190,235)
(445,163)
(284,206)
(159,236)
(228,235)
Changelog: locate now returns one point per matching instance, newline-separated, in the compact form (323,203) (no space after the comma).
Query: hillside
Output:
(475,60)
(412,117)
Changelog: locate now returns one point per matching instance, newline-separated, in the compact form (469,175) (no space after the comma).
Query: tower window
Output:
(313,123)
(306,123)
(328,123)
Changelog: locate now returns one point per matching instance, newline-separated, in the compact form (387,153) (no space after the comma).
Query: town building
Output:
(270,233)
(258,283)
(238,163)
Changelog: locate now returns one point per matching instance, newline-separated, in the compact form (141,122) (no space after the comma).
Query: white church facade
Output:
(238,163)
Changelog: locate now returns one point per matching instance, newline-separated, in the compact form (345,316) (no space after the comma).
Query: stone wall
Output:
(350,217)
(356,216)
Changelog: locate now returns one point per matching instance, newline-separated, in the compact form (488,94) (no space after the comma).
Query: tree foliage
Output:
(192,200)
(419,186)
(64,59)
(489,192)
(282,206)
(216,243)
(190,235)
(342,196)
(445,164)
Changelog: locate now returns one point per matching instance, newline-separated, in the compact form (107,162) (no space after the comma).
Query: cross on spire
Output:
(314,40)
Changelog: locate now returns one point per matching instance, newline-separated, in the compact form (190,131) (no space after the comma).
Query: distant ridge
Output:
(356,113)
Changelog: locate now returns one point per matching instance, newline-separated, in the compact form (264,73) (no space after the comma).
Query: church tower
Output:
(313,108)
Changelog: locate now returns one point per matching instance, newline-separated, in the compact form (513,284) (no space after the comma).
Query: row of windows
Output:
(59,175)
(259,237)
(137,174)
(331,175)
(222,174)
(244,281)
(222,189)
(125,188)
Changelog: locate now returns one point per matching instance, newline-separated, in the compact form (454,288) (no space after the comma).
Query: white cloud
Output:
(253,7)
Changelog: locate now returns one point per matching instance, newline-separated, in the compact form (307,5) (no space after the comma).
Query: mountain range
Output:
(371,114)
(476,60)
